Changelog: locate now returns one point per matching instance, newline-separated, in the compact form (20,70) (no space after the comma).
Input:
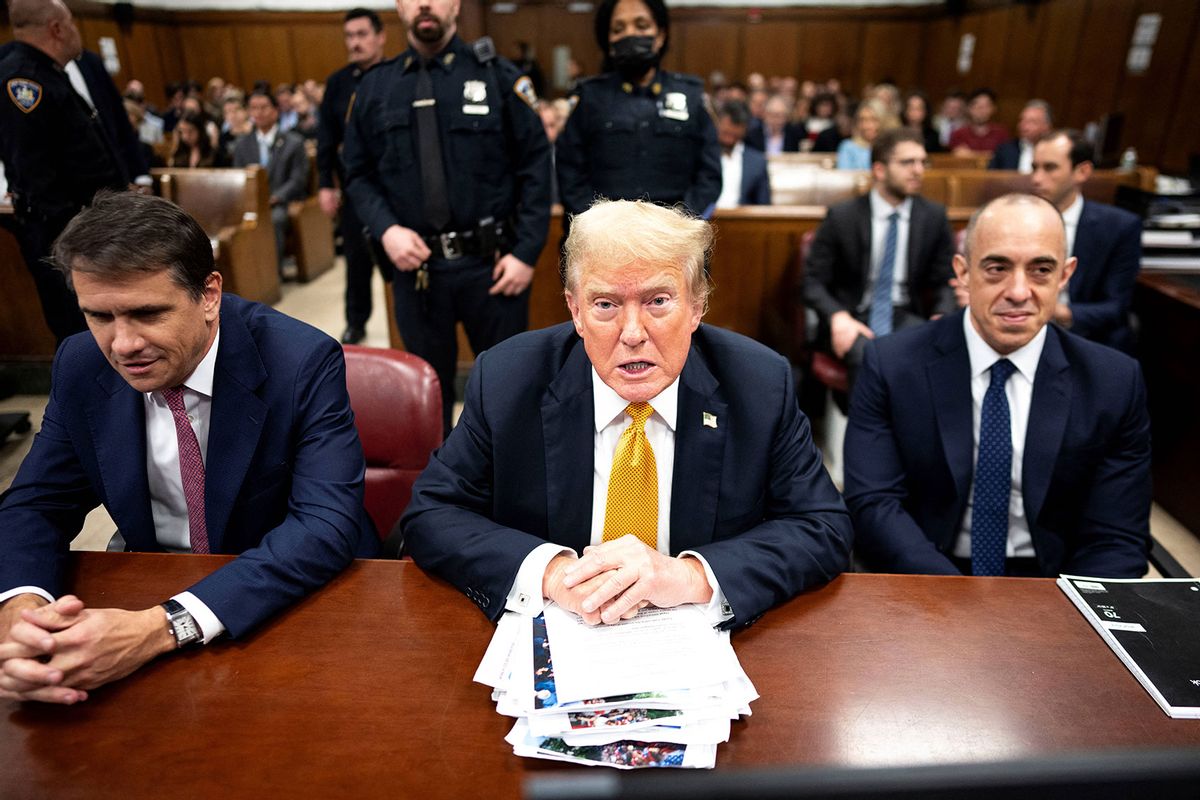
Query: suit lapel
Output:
(238,416)
(1048,411)
(699,455)
(118,426)
(916,221)
(949,375)
(1084,250)
(864,239)
(568,431)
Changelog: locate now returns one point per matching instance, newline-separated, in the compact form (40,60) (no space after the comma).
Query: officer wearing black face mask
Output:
(638,132)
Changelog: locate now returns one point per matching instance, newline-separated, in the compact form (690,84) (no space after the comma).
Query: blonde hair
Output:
(623,232)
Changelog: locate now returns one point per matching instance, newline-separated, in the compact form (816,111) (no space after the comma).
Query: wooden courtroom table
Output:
(1167,304)
(364,690)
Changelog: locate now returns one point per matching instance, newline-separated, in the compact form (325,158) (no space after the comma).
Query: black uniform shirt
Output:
(331,124)
(627,142)
(494,148)
(54,148)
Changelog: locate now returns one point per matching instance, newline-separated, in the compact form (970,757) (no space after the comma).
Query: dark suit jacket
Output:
(111,110)
(756,183)
(287,170)
(793,135)
(750,494)
(284,476)
(910,454)
(1007,155)
(1108,245)
(839,262)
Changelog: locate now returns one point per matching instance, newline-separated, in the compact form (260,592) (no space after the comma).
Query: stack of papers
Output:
(658,690)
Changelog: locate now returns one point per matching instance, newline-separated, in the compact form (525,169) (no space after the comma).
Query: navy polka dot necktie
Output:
(993,477)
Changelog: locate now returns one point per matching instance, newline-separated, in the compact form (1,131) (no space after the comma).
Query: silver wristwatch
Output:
(182,624)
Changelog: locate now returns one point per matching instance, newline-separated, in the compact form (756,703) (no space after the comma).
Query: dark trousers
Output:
(60,308)
(358,267)
(280,222)
(458,292)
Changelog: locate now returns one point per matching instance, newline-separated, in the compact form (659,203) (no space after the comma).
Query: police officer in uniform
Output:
(55,150)
(449,167)
(365,39)
(638,132)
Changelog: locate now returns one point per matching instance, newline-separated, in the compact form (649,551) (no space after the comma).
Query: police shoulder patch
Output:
(24,93)
(524,89)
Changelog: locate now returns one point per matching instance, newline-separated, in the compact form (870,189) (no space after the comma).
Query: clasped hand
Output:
(56,652)
(614,580)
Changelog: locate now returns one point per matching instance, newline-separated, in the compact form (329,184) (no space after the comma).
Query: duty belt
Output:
(484,240)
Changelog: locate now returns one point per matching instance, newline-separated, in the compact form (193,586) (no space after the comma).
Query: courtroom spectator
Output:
(1106,242)
(282,154)
(203,423)
(756,82)
(822,116)
(195,107)
(831,138)
(526,62)
(980,134)
(757,100)
(288,117)
(861,286)
(214,94)
(916,116)
(889,97)
(869,122)
(176,94)
(778,133)
(1034,123)
(989,442)
(306,117)
(150,127)
(744,179)
(193,148)
(136,113)
(675,450)
(552,122)
(236,124)
(951,117)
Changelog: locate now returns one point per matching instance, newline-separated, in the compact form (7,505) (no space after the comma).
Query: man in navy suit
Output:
(990,442)
(1105,241)
(850,252)
(776,134)
(734,510)
(203,423)
(1034,123)
(744,179)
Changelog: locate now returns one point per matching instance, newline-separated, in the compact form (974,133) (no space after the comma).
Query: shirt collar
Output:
(881,209)
(201,379)
(269,136)
(608,405)
(736,152)
(1071,215)
(451,53)
(982,356)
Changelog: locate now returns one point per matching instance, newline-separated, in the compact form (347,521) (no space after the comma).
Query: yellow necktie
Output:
(633,484)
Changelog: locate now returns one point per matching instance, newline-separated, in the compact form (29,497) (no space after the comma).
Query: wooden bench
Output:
(23,332)
(233,207)
(975,187)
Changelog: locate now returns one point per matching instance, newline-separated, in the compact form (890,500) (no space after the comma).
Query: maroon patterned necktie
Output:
(191,469)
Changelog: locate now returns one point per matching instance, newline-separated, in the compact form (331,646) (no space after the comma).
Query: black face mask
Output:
(633,56)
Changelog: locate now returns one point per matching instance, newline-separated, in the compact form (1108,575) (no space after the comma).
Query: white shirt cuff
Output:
(717,609)
(40,592)
(209,625)
(525,596)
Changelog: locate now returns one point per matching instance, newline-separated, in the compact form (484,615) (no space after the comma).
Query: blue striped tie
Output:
(880,319)
(993,477)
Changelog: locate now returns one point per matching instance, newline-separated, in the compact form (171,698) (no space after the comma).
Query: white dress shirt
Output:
(75,75)
(1025,160)
(731,177)
(880,211)
(168,507)
(1019,391)
(1071,221)
(610,422)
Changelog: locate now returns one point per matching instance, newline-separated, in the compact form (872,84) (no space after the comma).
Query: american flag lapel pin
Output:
(710,420)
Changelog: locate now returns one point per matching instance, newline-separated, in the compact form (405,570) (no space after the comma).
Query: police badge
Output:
(25,94)
(674,106)
(475,97)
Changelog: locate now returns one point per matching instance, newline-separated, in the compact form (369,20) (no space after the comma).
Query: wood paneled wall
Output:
(1069,52)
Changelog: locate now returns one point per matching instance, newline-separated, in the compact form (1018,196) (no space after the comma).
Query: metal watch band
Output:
(182,624)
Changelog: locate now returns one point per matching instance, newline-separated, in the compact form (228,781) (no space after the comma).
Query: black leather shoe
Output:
(353,334)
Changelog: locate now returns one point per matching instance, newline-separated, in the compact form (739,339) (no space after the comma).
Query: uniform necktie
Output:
(881,296)
(191,469)
(429,146)
(264,152)
(993,477)
(633,483)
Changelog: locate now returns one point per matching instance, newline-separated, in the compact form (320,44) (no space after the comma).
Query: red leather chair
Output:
(397,404)
(830,371)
